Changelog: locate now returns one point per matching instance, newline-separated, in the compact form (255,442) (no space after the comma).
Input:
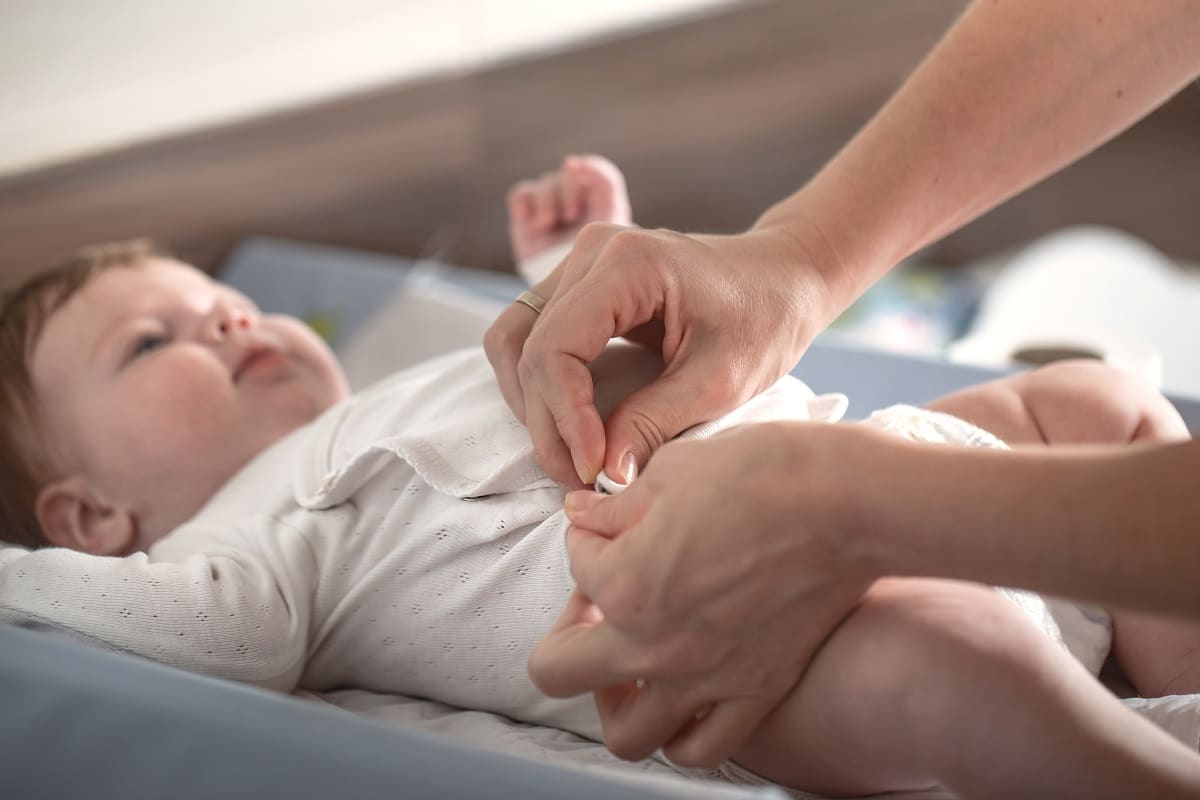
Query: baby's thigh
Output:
(1160,656)
(998,406)
(886,693)
(1067,402)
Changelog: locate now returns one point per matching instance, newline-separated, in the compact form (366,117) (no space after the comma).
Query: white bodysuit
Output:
(404,542)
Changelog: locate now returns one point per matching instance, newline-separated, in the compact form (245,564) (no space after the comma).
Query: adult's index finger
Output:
(573,331)
(582,658)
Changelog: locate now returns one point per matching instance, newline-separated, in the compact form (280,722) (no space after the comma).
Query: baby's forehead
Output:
(121,289)
(156,270)
(110,295)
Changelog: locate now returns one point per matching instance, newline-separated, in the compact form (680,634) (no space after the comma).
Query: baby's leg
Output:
(934,682)
(1087,402)
(1068,402)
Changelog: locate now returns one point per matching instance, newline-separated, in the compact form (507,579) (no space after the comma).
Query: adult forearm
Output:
(1014,91)
(1117,526)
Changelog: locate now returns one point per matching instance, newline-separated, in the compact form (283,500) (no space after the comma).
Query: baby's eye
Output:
(148,343)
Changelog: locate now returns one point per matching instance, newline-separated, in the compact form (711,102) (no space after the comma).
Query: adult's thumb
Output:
(607,516)
(657,413)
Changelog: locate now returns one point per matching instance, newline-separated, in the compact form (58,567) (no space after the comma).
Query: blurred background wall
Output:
(81,78)
(397,126)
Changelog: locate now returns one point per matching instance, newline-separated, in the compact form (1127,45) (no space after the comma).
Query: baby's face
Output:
(157,384)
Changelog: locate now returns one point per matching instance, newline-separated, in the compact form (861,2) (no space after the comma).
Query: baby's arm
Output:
(223,614)
(545,213)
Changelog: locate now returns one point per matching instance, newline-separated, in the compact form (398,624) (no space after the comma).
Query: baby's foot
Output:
(550,210)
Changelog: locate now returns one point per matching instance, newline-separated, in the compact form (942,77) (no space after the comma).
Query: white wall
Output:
(79,77)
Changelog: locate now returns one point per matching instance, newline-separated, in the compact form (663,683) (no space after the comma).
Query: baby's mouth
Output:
(256,358)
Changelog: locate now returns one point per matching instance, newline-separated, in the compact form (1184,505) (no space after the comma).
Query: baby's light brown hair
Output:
(24,309)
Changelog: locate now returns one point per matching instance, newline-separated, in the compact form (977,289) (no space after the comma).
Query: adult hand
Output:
(712,581)
(730,314)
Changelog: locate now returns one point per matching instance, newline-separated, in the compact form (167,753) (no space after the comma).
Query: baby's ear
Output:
(73,515)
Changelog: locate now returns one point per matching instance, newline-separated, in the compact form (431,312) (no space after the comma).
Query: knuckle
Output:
(653,661)
(683,651)
(576,397)
(578,574)
(496,342)
(624,743)
(541,672)
(531,361)
(646,428)
(689,753)
(595,233)
(622,599)
(673,657)
(628,242)
(546,451)
(546,444)
(668,658)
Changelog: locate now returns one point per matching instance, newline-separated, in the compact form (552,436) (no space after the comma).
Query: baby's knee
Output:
(1090,402)
(899,684)
(935,644)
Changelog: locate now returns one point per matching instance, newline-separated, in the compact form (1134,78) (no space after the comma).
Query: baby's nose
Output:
(235,321)
(228,322)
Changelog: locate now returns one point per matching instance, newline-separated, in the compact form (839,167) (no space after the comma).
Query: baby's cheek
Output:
(314,357)
(179,410)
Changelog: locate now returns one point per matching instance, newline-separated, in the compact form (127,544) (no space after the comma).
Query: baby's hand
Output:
(551,209)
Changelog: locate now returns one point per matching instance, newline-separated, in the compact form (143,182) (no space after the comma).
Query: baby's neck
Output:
(170,505)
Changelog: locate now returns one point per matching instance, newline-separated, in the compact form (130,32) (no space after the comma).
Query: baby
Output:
(213,499)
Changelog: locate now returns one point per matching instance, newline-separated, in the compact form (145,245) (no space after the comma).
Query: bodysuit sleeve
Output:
(223,612)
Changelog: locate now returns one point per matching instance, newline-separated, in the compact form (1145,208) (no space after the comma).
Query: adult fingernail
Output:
(581,500)
(586,472)
(628,468)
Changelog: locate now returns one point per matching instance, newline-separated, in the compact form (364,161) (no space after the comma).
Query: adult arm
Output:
(718,599)
(1116,526)
(1014,91)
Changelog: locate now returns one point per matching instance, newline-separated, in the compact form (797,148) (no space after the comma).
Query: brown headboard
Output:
(712,120)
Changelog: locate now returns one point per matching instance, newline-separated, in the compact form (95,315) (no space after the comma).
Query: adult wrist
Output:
(931,510)
(894,513)
(865,508)
(808,231)
(834,499)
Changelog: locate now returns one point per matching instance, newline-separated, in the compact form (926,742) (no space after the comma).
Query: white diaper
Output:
(1084,630)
